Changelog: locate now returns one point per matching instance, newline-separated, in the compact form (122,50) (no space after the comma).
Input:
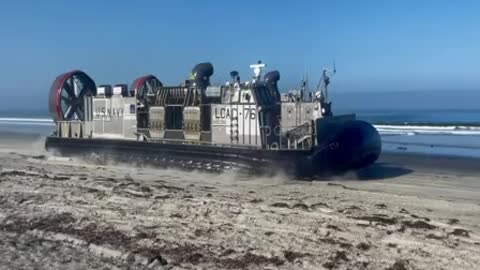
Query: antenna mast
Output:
(325,79)
(257,70)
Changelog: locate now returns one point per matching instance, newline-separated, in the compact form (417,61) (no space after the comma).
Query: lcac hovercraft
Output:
(248,125)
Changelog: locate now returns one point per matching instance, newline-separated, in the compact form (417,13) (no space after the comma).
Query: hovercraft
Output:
(195,125)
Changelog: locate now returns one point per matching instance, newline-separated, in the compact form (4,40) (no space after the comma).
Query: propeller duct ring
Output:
(67,93)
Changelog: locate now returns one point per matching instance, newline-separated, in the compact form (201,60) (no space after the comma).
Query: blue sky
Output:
(377,45)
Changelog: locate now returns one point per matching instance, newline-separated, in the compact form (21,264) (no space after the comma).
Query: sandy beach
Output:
(406,212)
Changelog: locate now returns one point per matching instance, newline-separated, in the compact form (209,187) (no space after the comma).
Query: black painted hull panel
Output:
(175,154)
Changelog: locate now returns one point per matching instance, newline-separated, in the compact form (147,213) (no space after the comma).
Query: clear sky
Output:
(377,45)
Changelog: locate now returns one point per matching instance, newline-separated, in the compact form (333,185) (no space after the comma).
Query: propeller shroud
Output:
(145,86)
(67,95)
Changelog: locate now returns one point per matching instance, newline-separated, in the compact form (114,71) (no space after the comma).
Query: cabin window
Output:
(246,97)
(174,117)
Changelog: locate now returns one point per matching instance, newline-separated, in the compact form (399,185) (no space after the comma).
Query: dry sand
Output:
(64,214)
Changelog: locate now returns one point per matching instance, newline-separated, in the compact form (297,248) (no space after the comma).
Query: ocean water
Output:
(438,132)
(419,117)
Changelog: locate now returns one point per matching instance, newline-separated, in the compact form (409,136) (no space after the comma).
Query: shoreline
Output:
(26,141)
(432,162)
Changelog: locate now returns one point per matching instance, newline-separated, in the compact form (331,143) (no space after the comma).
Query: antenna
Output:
(304,88)
(325,79)
(326,82)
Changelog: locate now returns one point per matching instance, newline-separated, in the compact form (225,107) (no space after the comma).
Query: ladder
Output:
(298,113)
(233,127)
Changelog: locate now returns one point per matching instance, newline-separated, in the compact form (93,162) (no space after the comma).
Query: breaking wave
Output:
(428,130)
(26,121)
(384,129)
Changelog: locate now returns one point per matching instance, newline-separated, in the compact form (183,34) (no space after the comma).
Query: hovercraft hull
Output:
(354,145)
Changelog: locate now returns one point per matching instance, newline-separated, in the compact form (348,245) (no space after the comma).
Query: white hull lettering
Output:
(227,113)
(111,112)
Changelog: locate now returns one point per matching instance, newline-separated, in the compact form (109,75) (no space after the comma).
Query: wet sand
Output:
(405,212)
